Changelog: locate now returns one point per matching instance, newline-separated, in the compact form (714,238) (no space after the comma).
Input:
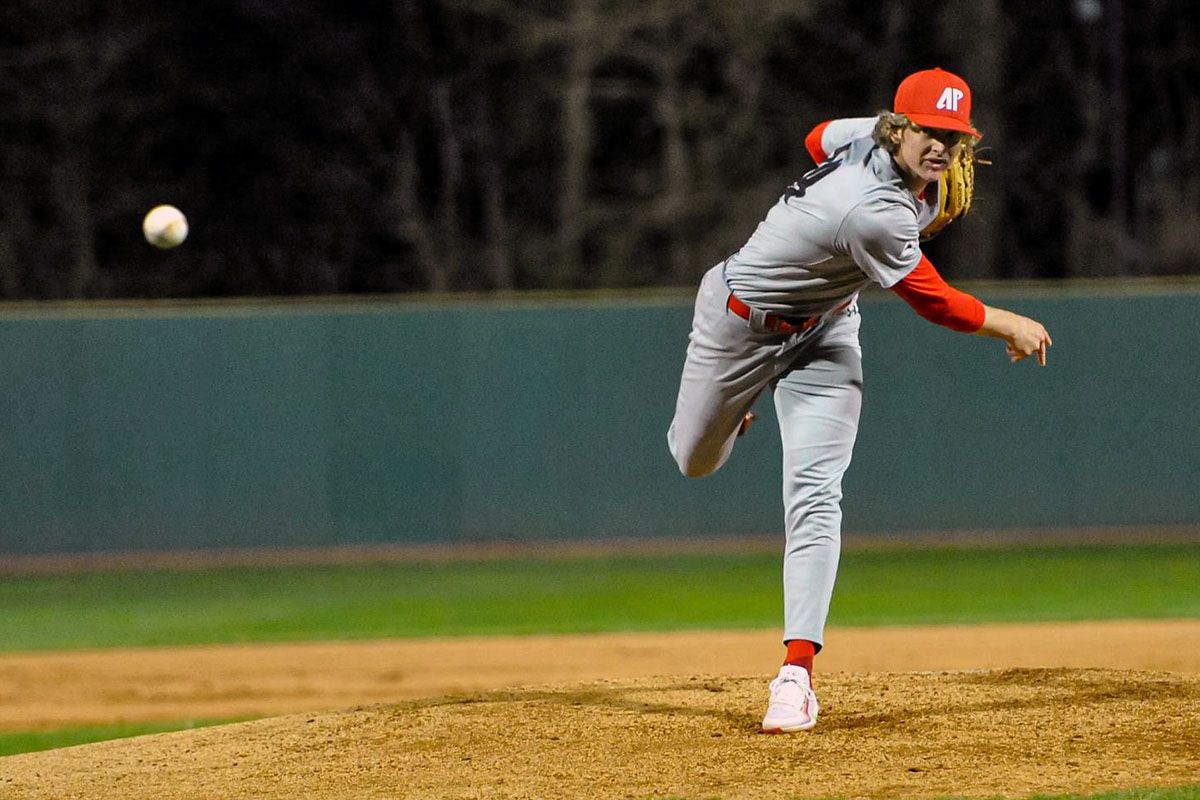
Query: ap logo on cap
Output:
(949,99)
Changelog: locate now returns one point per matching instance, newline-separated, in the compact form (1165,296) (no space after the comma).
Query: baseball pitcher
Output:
(781,312)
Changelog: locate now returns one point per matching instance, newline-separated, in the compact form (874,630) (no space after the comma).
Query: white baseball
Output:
(165,226)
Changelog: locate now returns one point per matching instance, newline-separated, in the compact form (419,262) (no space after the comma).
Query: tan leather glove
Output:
(956,187)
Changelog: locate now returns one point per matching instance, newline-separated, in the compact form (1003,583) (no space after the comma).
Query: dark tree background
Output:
(412,145)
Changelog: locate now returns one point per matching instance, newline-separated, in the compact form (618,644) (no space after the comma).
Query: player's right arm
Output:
(1024,336)
(939,302)
(831,134)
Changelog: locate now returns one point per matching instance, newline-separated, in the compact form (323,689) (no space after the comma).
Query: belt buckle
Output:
(759,320)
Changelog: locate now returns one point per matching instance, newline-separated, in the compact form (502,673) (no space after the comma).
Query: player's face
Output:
(925,153)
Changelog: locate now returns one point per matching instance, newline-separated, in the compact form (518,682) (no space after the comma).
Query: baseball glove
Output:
(956,187)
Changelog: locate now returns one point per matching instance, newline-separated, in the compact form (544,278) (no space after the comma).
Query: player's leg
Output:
(818,404)
(726,368)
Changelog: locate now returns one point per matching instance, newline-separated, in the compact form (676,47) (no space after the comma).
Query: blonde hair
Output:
(889,124)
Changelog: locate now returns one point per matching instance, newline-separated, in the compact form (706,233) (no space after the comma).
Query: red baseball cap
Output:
(934,98)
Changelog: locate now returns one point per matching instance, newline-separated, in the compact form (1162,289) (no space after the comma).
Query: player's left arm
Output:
(813,143)
(937,301)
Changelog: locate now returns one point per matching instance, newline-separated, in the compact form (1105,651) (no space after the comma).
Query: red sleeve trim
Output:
(939,302)
(812,142)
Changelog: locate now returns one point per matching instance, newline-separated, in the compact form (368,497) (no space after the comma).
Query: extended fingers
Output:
(1031,338)
(1045,343)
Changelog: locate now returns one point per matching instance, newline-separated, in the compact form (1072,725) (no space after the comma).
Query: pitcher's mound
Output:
(1013,733)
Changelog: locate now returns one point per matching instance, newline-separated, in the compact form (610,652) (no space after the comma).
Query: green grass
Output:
(576,595)
(587,594)
(33,741)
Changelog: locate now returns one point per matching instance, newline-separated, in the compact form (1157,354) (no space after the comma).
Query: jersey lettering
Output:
(798,188)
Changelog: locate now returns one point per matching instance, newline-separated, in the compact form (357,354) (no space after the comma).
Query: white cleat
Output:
(793,705)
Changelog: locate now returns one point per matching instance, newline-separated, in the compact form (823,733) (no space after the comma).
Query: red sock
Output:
(800,653)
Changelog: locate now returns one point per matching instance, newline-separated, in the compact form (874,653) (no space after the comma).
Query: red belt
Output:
(777,323)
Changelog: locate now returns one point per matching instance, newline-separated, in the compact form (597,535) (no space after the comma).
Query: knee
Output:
(695,468)
(692,462)
(693,455)
(815,514)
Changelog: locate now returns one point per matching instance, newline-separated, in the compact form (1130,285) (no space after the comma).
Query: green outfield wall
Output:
(388,421)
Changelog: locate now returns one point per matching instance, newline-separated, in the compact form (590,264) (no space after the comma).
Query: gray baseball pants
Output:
(817,381)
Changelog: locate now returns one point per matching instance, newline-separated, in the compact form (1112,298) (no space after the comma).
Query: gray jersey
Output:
(847,223)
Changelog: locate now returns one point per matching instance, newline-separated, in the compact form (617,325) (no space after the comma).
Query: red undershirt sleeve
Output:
(812,142)
(939,302)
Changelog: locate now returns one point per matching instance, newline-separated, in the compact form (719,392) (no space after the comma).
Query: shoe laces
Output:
(791,677)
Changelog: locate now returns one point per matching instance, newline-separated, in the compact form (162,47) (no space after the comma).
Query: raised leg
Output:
(727,367)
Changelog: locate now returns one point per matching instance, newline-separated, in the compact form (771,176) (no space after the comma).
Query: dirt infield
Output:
(975,711)
(58,689)
(882,735)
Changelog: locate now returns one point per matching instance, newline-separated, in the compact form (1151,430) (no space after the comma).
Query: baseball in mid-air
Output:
(165,226)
